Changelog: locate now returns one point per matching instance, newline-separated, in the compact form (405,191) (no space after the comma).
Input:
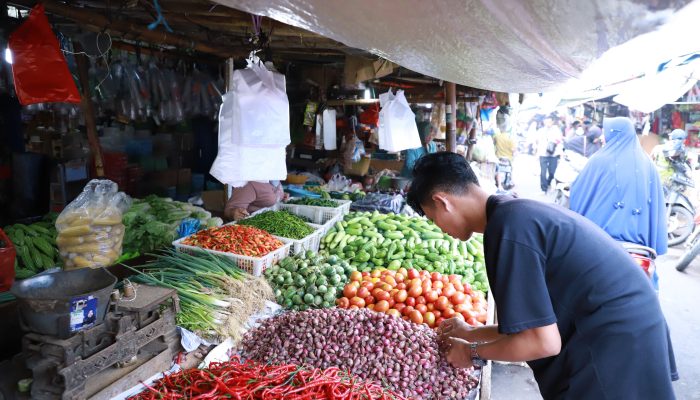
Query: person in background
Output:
(549,140)
(252,197)
(587,143)
(413,155)
(505,149)
(621,191)
(570,301)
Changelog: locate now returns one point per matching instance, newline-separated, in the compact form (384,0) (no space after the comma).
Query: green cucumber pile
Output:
(308,280)
(280,223)
(374,240)
(35,245)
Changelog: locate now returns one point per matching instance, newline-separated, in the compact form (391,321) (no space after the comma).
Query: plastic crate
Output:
(311,242)
(253,265)
(318,215)
(329,225)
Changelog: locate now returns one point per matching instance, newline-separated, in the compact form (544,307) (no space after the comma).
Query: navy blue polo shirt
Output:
(549,265)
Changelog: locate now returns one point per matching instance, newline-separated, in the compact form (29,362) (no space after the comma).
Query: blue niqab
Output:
(620,189)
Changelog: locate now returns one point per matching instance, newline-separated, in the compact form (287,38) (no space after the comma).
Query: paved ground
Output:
(679,295)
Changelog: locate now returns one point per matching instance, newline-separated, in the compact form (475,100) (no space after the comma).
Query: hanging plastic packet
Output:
(187,227)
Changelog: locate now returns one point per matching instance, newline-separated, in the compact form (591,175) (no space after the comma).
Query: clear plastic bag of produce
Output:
(90,229)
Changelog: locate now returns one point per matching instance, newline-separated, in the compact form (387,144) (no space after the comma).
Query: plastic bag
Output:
(90,229)
(359,149)
(39,69)
(330,140)
(338,183)
(397,123)
(260,107)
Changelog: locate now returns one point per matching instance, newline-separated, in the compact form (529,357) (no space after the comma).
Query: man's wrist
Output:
(477,361)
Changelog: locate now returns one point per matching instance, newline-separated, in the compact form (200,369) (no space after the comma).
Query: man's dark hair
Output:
(444,171)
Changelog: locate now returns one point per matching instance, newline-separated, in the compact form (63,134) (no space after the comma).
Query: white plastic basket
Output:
(253,265)
(311,242)
(329,225)
(318,215)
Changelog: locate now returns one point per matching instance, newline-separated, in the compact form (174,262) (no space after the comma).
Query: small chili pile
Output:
(280,223)
(252,381)
(237,239)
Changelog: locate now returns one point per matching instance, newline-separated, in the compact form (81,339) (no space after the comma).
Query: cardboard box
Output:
(214,200)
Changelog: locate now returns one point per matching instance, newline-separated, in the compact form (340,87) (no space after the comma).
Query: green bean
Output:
(280,223)
(307,201)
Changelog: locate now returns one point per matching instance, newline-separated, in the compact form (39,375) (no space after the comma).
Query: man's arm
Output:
(240,199)
(530,344)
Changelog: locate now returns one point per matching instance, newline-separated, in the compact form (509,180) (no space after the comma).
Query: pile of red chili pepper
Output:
(236,239)
(251,380)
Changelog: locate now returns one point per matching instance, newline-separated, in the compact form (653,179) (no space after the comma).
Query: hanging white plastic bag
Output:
(260,106)
(397,123)
(329,134)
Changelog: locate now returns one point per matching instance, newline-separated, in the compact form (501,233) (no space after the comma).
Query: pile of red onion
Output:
(370,345)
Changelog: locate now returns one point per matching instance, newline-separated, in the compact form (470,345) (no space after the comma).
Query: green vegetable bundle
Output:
(35,245)
(374,240)
(308,280)
(216,298)
(280,223)
(308,201)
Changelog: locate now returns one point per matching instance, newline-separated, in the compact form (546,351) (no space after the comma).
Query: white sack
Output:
(397,124)
(329,134)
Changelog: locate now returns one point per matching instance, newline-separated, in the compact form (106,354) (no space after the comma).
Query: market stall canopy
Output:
(502,45)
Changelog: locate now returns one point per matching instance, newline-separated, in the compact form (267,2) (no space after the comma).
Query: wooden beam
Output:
(131,29)
(451,101)
(88,109)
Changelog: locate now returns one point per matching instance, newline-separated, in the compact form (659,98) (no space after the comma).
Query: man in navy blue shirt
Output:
(570,301)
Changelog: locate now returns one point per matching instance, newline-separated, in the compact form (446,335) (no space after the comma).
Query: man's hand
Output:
(457,352)
(239,213)
(455,328)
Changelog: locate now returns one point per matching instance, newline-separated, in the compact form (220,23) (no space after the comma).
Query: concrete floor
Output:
(679,295)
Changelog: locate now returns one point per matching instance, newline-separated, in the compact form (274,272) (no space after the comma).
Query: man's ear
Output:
(442,201)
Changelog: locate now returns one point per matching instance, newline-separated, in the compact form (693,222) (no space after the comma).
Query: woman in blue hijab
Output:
(620,189)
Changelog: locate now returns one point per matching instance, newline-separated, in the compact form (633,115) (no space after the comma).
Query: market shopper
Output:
(252,197)
(428,147)
(549,141)
(620,190)
(586,144)
(570,301)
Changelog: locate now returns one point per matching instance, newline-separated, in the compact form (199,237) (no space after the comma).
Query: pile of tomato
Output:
(416,296)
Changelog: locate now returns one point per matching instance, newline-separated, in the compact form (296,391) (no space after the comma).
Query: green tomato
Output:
(329,297)
(327,304)
(318,300)
(288,281)
(308,298)
(332,292)
(312,289)
(278,293)
(300,281)
(296,299)
(335,280)
(321,280)
(279,280)
(322,289)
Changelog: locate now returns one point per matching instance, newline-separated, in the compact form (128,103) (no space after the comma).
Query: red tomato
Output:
(415,291)
(445,279)
(394,313)
(431,296)
(350,291)
(421,308)
(375,291)
(481,317)
(356,276)
(410,301)
(354,307)
(438,321)
(399,277)
(473,322)
(407,310)
(429,318)
(426,286)
(448,290)
(467,288)
(420,300)
(459,316)
(454,279)
(431,306)
(399,306)
(458,287)
(442,303)
(365,274)
(392,302)
(381,306)
(343,302)
(412,273)
(416,317)
(458,298)
(438,285)
(376,273)
(393,292)
(363,292)
(384,296)
(400,296)
(448,313)
(405,318)
(367,284)
(437,313)
(370,307)
(424,274)
(401,286)
(436,276)
(357,301)
(390,280)
(369,299)
(463,307)
(355,283)
(402,271)
(385,286)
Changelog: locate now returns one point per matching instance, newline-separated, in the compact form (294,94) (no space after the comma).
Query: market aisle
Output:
(679,296)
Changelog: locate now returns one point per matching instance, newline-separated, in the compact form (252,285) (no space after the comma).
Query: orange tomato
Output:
(438,285)
(365,274)
(422,308)
(392,302)
(429,318)
(399,306)
(442,303)
(357,301)
(458,298)
(401,286)
(415,291)
(399,278)
(448,313)
(369,299)
(416,317)
(420,300)
(375,280)
(350,291)
(394,313)
(386,287)
(436,276)
(343,302)
(363,292)
(459,316)
(390,280)
(454,279)
(376,273)
(437,313)
(356,276)
(412,273)
(431,296)
(353,307)
(458,287)
(410,301)
(438,321)
(381,306)
(448,290)
(400,296)
(367,284)
(402,271)
(430,306)
(370,307)
(383,295)
(407,310)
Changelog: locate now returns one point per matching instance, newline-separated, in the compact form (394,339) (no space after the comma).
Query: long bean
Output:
(280,223)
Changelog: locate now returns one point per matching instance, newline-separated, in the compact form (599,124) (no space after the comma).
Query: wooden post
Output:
(451,117)
(87,108)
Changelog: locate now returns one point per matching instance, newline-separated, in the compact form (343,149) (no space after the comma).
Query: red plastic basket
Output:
(7,263)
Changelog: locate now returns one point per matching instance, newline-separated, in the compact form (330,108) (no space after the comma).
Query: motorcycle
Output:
(644,256)
(692,247)
(570,166)
(679,209)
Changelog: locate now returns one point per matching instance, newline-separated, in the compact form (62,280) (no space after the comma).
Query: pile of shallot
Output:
(370,345)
